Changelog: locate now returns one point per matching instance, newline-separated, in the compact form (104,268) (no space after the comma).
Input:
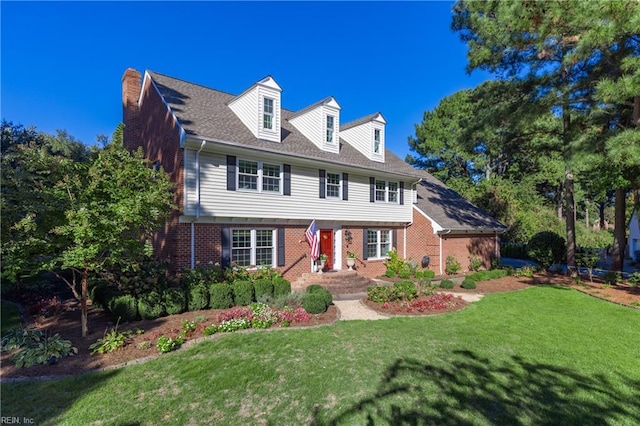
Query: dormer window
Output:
(376,141)
(267,114)
(330,128)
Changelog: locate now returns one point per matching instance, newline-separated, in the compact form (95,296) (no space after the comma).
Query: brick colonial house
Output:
(250,177)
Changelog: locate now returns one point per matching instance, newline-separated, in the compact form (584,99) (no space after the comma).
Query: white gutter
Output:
(193,226)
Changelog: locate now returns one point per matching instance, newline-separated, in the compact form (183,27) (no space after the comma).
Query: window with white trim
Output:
(259,176)
(378,243)
(253,247)
(330,128)
(267,113)
(333,185)
(386,192)
(376,141)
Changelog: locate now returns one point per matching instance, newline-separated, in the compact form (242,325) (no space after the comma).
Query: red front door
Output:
(326,246)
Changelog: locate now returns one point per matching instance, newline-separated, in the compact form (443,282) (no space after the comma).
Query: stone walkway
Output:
(351,307)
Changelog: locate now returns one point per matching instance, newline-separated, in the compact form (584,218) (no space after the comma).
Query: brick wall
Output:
(150,126)
(421,241)
(462,247)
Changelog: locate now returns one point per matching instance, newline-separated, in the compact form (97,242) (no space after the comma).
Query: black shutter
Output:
(286,183)
(345,186)
(226,247)
(323,183)
(372,190)
(364,244)
(401,192)
(231,173)
(281,247)
(394,239)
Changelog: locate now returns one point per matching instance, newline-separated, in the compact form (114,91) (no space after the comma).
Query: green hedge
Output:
(263,290)
(242,293)
(447,284)
(175,301)
(150,306)
(124,308)
(314,303)
(198,297)
(468,283)
(281,287)
(220,296)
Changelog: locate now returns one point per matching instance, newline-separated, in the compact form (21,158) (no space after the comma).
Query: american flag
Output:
(312,239)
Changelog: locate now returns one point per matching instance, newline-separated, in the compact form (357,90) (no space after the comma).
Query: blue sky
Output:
(62,62)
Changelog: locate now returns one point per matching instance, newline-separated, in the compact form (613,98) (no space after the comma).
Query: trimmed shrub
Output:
(198,297)
(428,273)
(281,287)
(124,307)
(150,306)
(405,290)
(314,303)
(220,296)
(263,289)
(318,289)
(546,248)
(446,284)
(468,283)
(99,294)
(175,301)
(242,293)
(488,275)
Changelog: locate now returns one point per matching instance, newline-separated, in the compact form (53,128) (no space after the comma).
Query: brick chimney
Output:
(131,87)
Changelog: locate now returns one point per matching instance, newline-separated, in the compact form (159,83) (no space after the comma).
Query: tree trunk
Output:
(83,302)
(559,201)
(619,232)
(601,213)
(586,213)
(571,225)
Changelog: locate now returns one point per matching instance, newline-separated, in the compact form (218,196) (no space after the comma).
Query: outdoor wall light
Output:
(348,236)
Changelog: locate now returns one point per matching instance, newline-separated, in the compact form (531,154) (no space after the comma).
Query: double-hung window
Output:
(333,185)
(267,113)
(251,247)
(330,128)
(259,176)
(386,192)
(378,243)
(376,141)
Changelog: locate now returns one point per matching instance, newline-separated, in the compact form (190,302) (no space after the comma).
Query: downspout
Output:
(440,241)
(193,226)
(404,237)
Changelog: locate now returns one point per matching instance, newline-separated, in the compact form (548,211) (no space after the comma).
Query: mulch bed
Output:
(67,324)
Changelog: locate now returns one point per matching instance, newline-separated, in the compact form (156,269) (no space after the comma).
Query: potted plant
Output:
(321,259)
(351,260)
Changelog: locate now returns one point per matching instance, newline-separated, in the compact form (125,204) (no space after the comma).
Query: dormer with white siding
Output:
(367,135)
(258,108)
(320,123)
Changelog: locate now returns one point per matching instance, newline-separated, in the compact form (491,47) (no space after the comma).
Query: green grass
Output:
(10,316)
(547,355)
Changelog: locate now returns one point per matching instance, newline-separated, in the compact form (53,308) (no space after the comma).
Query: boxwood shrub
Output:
(281,287)
(447,284)
(468,283)
(99,294)
(242,293)
(314,303)
(124,307)
(318,289)
(198,297)
(428,273)
(263,290)
(175,301)
(220,296)
(150,305)
(405,290)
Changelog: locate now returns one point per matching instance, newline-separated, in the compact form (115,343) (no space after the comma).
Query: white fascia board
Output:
(269,82)
(183,133)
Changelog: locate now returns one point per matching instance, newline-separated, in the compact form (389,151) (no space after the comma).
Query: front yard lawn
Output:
(545,355)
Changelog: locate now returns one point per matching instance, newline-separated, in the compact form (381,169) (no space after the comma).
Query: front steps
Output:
(337,282)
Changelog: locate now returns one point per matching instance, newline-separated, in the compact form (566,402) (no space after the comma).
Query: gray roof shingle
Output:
(203,112)
(452,211)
